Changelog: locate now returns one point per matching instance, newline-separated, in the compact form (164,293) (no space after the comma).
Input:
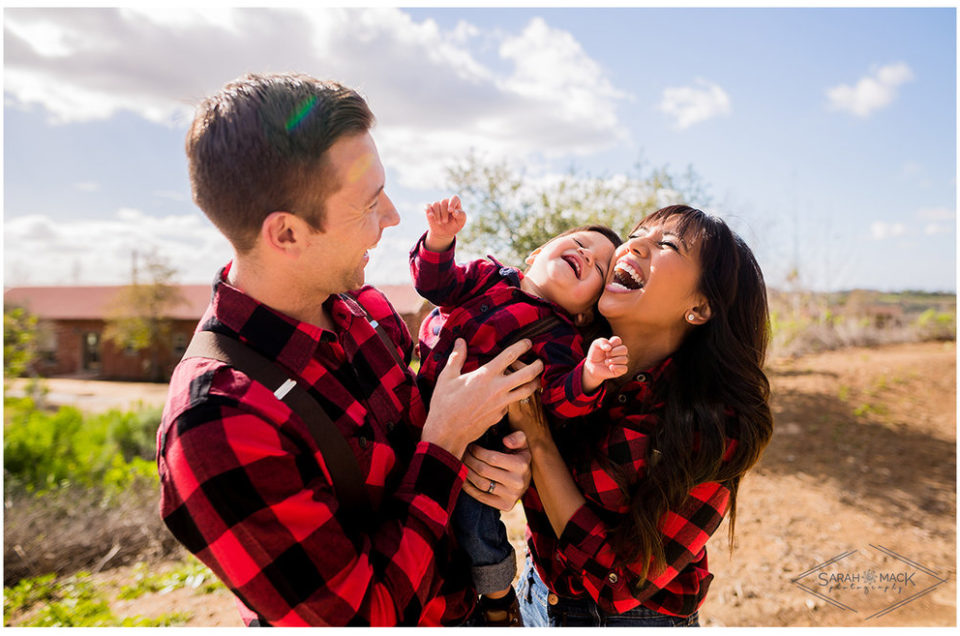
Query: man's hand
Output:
(466,405)
(498,479)
(606,359)
(445,218)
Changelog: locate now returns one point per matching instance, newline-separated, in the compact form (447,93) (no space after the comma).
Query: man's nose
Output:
(390,216)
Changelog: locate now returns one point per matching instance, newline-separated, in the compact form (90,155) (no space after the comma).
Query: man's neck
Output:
(279,292)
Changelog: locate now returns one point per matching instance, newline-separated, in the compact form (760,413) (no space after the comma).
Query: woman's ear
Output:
(699,314)
(533,255)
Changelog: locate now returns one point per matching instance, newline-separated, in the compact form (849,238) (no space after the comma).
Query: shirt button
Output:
(622,399)
(642,377)
(613,578)
(483,308)
(552,598)
(363,441)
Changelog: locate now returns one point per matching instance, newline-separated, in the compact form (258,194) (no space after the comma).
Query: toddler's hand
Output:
(606,358)
(445,218)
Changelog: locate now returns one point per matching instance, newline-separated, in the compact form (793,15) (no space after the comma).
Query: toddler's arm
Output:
(445,219)
(606,358)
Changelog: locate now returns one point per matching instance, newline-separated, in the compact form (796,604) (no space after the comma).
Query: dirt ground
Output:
(94,396)
(862,466)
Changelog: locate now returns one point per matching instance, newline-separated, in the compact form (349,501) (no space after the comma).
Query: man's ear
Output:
(533,255)
(583,318)
(281,232)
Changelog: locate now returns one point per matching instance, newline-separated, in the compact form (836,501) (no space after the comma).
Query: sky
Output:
(825,137)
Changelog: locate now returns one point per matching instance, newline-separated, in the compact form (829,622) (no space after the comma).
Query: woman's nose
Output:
(640,247)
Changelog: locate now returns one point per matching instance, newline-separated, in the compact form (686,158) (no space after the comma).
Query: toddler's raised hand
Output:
(606,358)
(445,218)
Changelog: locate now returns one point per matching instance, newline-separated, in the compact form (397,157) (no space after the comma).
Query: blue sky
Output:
(827,137)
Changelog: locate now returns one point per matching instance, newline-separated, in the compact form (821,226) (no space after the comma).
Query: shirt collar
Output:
(290,342)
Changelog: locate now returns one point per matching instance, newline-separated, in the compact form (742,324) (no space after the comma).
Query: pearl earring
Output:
(691,317)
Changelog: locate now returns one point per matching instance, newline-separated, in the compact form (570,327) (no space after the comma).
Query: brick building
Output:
(71,321)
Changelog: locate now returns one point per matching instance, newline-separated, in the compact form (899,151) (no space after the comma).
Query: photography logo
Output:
(873,582)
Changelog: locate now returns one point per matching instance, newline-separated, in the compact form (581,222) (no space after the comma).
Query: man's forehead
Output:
(358,167)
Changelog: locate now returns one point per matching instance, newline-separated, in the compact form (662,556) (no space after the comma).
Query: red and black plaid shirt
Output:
(581,563)
(245,488)
(482,303)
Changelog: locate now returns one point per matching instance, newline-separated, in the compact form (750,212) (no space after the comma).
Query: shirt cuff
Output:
(582,539)
(432,257)
(577,393)
(432,484)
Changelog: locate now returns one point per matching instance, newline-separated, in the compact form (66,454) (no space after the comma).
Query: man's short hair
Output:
(259,146)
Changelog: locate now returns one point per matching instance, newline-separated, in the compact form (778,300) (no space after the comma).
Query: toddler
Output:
(490,306)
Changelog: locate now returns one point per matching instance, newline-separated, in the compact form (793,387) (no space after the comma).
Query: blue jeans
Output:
(484,537)
(567,612)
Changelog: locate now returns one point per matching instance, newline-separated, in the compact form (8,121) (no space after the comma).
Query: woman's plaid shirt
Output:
(482,303)
(581,563)
(245,488)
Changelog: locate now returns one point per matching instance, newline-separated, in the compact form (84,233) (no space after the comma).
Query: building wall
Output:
(61,349)
(62,352)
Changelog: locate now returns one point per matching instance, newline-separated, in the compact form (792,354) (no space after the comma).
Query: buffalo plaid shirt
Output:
(482,303)
(245,488)
(581,563)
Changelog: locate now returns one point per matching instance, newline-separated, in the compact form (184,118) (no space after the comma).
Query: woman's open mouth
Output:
(625,275)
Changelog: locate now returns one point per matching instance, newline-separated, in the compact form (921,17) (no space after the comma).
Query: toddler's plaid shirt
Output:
(482,303)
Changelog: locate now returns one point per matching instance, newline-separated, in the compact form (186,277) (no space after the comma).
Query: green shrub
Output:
(72,602)
(43,450)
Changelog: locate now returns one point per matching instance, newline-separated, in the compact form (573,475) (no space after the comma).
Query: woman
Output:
(623,502)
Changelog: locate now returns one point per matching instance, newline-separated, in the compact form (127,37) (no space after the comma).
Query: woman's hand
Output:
(527,415)
(498,479)
(558,492)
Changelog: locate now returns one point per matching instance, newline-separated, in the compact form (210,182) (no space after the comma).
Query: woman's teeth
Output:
(625,275)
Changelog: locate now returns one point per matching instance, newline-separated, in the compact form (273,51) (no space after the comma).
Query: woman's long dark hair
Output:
(716,390)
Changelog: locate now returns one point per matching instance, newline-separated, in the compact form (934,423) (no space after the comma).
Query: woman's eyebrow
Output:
(678,237)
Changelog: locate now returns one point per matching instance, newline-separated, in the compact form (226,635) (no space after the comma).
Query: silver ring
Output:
(493,485)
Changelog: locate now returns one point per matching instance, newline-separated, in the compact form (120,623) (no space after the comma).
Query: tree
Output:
(510,214)
(19,341)
(138,317)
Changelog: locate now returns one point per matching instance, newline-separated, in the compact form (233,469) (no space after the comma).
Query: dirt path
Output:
(95,395)
(863,455)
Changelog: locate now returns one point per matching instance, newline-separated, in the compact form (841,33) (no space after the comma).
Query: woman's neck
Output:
(647,347)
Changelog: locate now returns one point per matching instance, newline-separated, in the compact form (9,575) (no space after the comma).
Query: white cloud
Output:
(871,92)
(87,186)
(434,99)
(937,214)
(689,105)
(44,251)
(881,230)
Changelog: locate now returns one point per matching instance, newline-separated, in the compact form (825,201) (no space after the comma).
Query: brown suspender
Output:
(336,452)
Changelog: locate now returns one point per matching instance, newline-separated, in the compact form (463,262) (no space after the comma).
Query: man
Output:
(284,165)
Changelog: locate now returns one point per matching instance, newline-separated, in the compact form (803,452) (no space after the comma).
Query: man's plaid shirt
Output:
(482,303)
(581,563)
(245,488)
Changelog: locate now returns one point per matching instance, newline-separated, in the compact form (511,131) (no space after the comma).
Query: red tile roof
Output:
(92,303)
